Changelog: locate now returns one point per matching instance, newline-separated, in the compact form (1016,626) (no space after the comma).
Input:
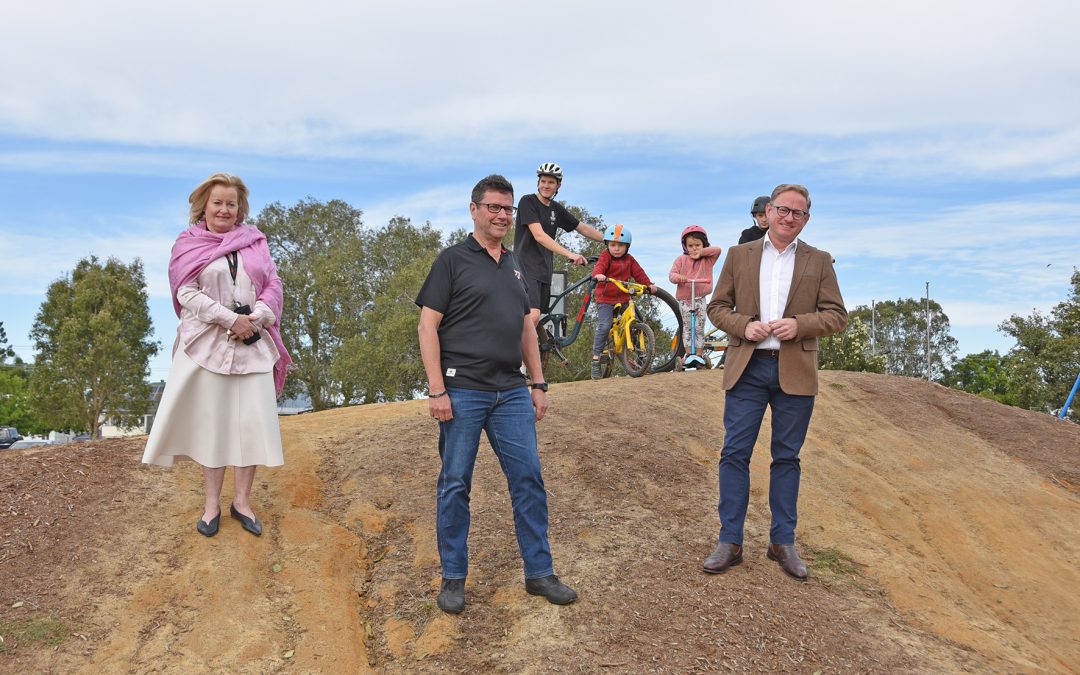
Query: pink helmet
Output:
(693,229)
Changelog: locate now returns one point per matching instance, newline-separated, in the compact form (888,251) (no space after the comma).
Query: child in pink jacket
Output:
(695,263)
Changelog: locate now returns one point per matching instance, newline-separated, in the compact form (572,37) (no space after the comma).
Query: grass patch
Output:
(834,562)
(27,632)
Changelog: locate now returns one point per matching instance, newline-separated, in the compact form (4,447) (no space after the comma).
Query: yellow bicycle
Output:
(629,339)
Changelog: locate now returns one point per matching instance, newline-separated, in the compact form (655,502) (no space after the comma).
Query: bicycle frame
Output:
(620,329)
(555,333)
(558,322)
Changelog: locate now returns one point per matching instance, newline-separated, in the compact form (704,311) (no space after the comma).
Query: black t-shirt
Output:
(752,233)
(535,258)
(484,305)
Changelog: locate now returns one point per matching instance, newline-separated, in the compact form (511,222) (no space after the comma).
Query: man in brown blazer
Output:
(775,297)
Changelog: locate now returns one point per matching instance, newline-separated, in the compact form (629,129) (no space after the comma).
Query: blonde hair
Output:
(790,187)
(200,195)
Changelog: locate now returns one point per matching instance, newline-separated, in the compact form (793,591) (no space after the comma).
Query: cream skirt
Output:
(216,420)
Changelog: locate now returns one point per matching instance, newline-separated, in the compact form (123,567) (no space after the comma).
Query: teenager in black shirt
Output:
(539,219)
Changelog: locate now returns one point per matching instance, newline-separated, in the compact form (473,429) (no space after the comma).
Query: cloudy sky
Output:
(940,140)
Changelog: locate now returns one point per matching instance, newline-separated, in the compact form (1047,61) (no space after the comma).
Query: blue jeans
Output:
(509,419)
(744,408)
(605,316)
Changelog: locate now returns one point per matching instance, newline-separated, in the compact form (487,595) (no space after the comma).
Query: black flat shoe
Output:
(252,525)
(209,529)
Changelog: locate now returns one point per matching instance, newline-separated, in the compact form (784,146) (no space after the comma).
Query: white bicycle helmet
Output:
(550,169)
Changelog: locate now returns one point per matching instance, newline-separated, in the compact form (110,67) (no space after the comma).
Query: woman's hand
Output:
(600,277)
(243,327)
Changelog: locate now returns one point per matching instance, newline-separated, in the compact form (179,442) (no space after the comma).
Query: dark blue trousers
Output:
(744,408)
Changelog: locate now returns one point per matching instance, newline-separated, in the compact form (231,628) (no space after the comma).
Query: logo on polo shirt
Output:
(517,274)
(450,372)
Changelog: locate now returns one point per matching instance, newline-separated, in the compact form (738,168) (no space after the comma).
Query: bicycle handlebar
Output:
(630,287)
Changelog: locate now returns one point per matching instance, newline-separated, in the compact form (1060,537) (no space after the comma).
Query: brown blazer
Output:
(814,301)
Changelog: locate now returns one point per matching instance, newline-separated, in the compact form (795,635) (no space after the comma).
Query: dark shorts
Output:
(539,295)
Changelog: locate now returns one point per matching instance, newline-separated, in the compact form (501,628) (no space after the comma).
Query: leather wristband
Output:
(437,395)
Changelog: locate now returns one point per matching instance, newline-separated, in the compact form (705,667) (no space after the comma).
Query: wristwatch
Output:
(542,386)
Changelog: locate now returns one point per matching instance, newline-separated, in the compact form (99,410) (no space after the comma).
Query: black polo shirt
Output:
(483,304)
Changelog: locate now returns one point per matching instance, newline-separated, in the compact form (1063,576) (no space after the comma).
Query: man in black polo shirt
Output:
(539,219)
(474,334)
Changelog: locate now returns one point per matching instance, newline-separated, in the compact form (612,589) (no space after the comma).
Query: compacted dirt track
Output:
(943,532)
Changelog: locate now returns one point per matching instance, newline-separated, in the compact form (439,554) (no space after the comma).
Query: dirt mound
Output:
(943,532)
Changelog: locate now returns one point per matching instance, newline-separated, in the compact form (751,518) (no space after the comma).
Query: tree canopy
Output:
(898,331)
(14,377)
(850,350)
(92,347)
(321,252)
(1044,364)
(985,374)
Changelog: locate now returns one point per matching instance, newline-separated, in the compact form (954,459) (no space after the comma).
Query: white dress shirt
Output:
(774,281)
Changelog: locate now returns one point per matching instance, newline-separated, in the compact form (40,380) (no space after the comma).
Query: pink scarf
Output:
(197,247)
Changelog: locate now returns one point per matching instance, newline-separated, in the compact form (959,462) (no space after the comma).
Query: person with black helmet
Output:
(760,226)
(539,218)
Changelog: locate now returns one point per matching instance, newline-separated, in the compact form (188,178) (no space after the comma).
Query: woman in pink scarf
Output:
(219,407)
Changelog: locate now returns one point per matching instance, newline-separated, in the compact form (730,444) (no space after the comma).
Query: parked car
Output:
(19,445)
(8,435)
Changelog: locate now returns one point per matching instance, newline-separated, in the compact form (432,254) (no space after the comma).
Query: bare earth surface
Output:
(943,532)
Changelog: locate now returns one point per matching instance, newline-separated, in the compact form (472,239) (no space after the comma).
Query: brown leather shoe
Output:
(724,556)
(788,558)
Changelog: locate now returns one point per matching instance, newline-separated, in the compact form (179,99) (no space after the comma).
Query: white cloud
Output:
(37,257)
(324,77)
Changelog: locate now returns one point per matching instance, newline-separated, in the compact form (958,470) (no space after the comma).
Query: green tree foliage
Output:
(985,374)
(850,350)
(14,379)
(899,333)
(6,352)
(1043,365)
(92,347)
(381,362)
(321,251)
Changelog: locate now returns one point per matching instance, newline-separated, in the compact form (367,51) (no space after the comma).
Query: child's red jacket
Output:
(623,269)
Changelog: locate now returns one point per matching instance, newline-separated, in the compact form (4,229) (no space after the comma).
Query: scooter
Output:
(693,360)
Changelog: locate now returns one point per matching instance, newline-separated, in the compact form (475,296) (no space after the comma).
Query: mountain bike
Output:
(659,311)
(629,339)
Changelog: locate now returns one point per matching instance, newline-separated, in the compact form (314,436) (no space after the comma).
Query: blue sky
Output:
(940,141)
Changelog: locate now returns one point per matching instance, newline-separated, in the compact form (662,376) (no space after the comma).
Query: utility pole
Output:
(927,331)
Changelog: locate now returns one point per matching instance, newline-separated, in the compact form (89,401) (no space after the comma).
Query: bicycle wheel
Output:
(661,312)
(607,358)
(547,347)
(637,357)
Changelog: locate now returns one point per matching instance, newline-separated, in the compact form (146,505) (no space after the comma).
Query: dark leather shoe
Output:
(556,592)
(209,529)
(252,525)
(789,560)
(724,556)
(452,596)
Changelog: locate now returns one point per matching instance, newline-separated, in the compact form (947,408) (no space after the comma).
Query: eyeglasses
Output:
(797,214)
(495,208)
